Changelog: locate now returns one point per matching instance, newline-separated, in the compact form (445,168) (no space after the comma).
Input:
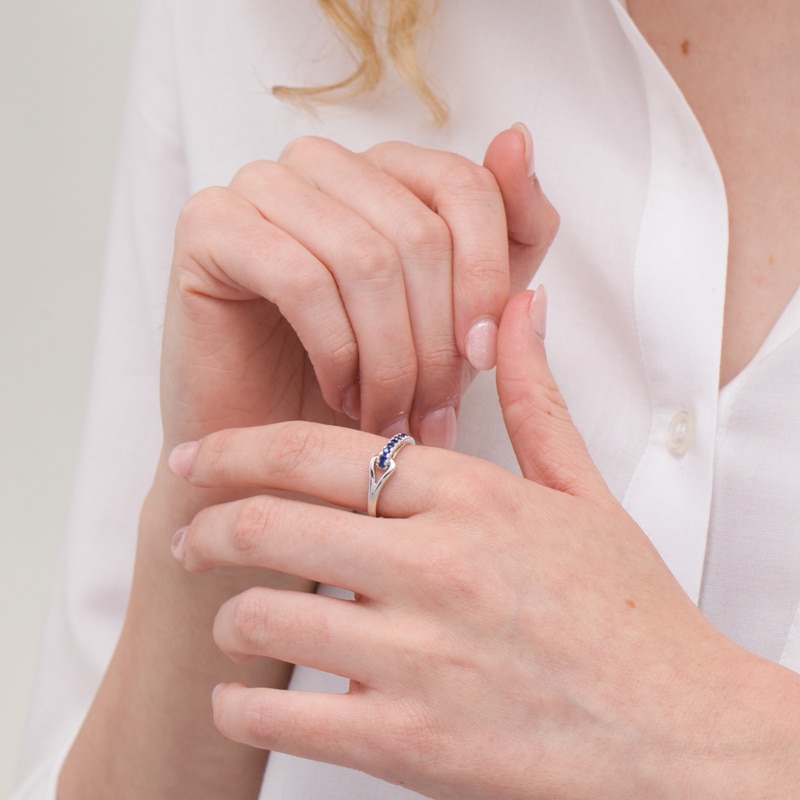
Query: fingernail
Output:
(176,545)
(216,690)
(439,428)
(351,402)
(398,426)
(481,344)
(182,457)
(528,139)
(539,312)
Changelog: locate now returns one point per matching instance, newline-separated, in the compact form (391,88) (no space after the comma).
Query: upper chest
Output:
(738,65)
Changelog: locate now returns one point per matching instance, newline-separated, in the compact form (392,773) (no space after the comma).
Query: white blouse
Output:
(636,281)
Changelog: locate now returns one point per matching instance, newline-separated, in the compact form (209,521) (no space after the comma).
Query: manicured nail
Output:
(216,690)
(398,426)
(528,139)
(176,545)
(182,457)
(351,402)
(481,344)
(439,428)
(539,312)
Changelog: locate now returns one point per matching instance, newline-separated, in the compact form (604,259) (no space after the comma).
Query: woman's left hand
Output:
(509,637)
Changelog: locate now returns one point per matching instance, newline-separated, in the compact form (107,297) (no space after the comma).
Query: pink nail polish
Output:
(539,312)
(182,457)
(398,426)
(481,344)
(351,402)
(439,428)
(216,690)
(176,545)
(526,135)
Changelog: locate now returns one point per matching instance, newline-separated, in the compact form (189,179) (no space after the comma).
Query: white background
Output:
(63,73)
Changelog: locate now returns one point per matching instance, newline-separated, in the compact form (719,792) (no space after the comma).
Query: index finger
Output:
(329,463)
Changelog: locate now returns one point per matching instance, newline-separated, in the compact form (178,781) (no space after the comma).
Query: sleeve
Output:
(122,434)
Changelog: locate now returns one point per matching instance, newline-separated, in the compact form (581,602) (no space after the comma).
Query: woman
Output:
(513,636)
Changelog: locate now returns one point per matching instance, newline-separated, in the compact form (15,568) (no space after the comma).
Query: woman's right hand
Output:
(332,286)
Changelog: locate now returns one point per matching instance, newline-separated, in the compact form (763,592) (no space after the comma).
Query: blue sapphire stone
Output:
(389,449)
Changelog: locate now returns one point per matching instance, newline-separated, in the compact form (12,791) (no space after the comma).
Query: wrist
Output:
(745,741)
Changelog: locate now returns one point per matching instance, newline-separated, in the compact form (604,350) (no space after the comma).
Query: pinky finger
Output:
(335,728)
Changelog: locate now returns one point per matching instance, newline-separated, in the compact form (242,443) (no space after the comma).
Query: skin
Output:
(286,360)
(613,687)
(738,64)
(250,340)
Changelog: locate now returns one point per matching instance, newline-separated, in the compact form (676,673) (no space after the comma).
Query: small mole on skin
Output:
(630,603)
(685,47)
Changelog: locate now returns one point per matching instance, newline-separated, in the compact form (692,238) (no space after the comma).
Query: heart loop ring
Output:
(381,468)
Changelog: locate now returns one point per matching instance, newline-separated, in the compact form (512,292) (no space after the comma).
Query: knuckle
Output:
(258,724)
(466,178)
(441,356)
(426,233)
(486,273)
(469,493)
(256,172)
(368,256)
(211,464)
(397,373)
(303,148)
(451,575)
(203,231)
(296,449)
(253,519)
(249,620)
(306,283)
(379,151)
(482,492)
(298,283)
(201,208)
(343,356)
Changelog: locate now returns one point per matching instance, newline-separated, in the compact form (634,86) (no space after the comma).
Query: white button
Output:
(680,434)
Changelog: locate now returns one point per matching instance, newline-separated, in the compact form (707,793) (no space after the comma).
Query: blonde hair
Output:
(355,22)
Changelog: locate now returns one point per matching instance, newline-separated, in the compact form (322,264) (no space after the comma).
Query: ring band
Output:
(381,468)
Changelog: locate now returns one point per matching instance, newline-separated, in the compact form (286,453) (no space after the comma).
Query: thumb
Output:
(531,219)
(548,446)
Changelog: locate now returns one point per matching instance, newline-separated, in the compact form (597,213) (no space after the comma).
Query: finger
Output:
(531,219)
(324,633)
(367,272)
(422,251)
(325,545)
(326,462)
(347,729)
(226,250)
(549,448)
(466,196)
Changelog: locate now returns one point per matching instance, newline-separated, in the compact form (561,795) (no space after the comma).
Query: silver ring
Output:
(381,468)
